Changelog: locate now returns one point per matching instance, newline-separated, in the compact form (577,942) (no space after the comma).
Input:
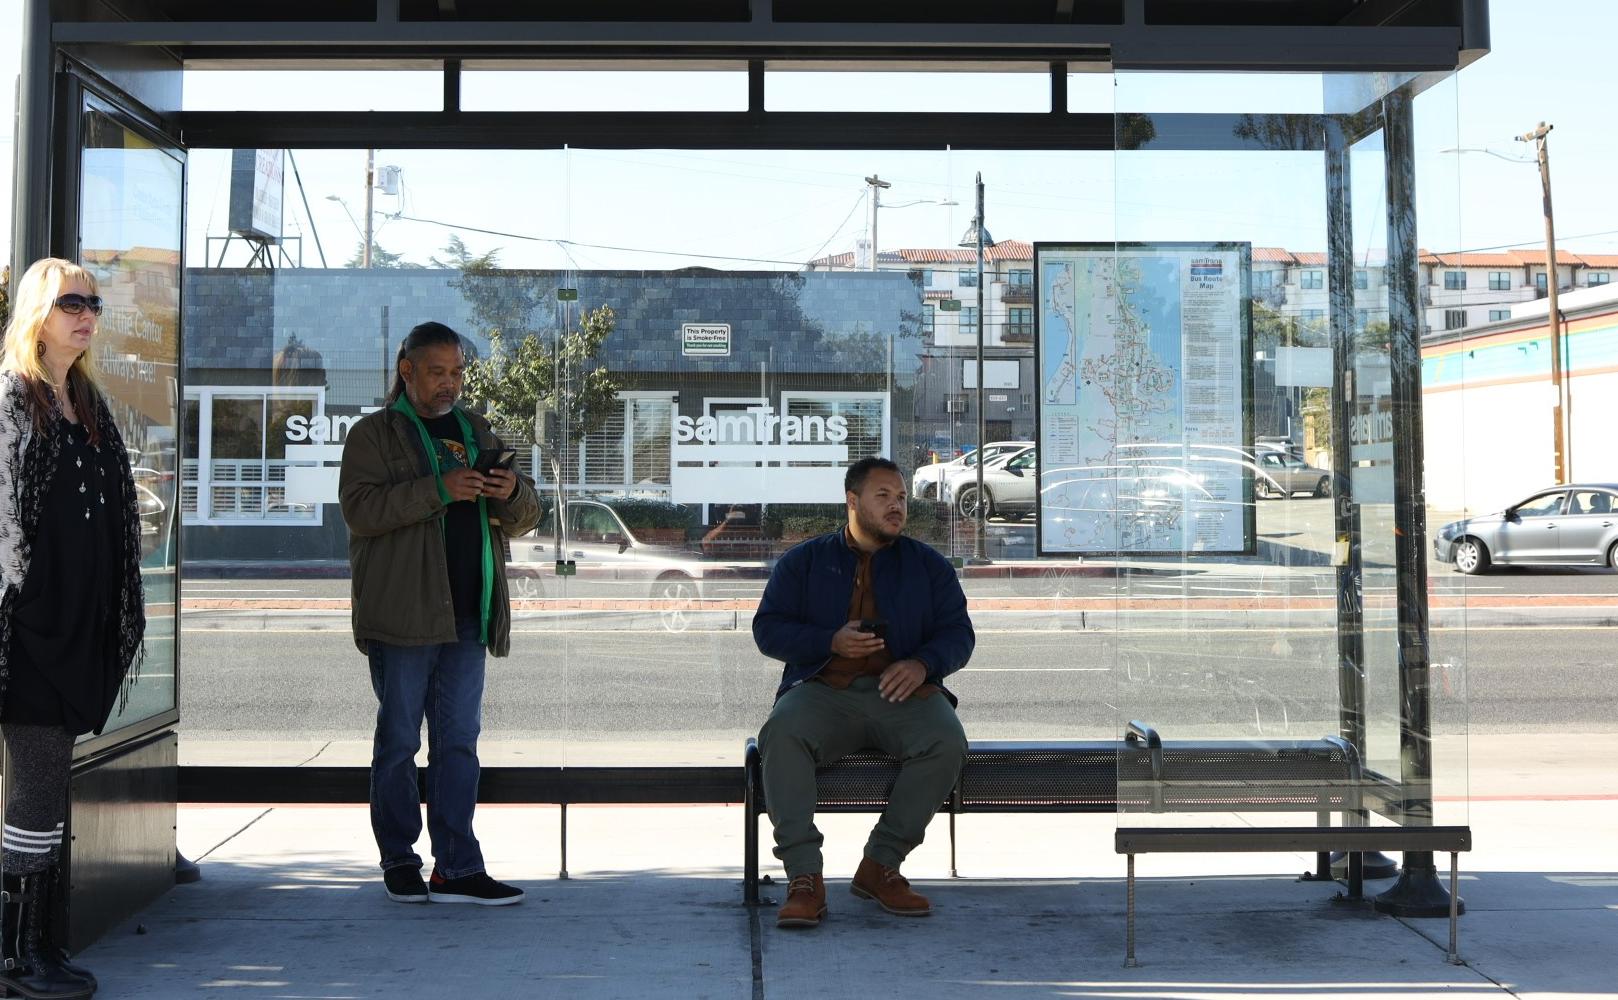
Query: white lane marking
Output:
(1035,670)
(242,590)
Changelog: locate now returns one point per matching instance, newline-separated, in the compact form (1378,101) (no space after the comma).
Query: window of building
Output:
(966,279)
(1312,279)
(866,413)
(1499,281)
(629,452)
(1362,318)
(1263,281)
(1020,277)
(1362,279)
(1454,281)
(1496,315)
(1599,277)
(928,314)
(1540,284)
(1312,317)
(246,439)
(926,277)
(1020,322)
(969,319)
(1454,319)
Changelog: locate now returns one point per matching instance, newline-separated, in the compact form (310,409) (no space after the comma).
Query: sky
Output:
(589,209)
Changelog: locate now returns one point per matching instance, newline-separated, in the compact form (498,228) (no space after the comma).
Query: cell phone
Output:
(876,626)
(495,458)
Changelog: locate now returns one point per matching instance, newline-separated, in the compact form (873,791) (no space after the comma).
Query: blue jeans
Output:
(444,684)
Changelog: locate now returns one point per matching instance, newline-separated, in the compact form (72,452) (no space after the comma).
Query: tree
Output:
(564,380)
(380,259)
(458,258)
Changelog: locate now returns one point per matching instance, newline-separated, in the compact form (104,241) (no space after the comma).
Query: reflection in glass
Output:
(130,211)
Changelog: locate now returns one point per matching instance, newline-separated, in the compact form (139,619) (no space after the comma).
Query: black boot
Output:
(51,886)
(34,972)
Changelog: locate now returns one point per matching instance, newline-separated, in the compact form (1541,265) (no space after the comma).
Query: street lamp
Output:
(977,236)
(877,184)
(365,238)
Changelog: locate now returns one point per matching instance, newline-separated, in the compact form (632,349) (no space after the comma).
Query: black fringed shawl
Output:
(27,463)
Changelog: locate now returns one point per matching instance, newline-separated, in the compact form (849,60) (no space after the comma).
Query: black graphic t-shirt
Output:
(463,536)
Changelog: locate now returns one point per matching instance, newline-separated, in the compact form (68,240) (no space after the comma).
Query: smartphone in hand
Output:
(495,458)
(875,626)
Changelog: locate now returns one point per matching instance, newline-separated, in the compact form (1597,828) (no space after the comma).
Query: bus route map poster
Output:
(1143,406)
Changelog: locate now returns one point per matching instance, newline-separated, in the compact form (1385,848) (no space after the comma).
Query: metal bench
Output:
(1143,774)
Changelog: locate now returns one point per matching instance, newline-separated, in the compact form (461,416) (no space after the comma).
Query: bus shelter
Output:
(1160,586)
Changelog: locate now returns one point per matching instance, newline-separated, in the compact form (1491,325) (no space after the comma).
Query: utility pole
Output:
(1561,432)
(877,184)
(370,186)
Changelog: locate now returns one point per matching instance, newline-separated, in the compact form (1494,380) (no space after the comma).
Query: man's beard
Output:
(876,528)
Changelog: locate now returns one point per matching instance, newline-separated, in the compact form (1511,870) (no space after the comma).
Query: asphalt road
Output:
(653,687)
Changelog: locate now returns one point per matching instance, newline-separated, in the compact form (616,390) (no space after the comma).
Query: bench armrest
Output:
(1140,732)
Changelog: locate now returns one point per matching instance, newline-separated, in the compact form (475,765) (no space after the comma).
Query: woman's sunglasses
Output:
(73,304)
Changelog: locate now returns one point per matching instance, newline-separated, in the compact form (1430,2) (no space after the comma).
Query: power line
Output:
(864,193)
(564,244)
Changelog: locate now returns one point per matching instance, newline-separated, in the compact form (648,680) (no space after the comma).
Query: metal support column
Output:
(1348,554)
(1419,892)
(31,185)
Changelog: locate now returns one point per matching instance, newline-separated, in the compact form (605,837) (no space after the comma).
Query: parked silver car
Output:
(1280,474)
(630,547)
(928,481)
(1575,524)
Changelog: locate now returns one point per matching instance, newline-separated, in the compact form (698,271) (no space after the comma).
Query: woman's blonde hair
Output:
(36,296)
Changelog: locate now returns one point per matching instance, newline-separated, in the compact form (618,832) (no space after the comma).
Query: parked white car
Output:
(1008,480)
(928,481)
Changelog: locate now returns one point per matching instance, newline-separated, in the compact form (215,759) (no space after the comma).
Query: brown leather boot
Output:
(806,902)
(891,890)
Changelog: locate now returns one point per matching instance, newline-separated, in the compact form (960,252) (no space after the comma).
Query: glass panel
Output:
(499,87)
(1272,605)
(131,200)
(762,324)
(363,87)
(790,90)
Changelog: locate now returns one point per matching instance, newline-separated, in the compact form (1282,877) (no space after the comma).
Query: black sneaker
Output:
(478,888)
(405,885)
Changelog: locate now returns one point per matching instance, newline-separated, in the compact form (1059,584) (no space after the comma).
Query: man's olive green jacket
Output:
(400,572)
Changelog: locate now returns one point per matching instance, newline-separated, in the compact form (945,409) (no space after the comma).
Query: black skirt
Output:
(64,627)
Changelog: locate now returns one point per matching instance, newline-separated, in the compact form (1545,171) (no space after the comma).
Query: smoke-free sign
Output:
(705,340)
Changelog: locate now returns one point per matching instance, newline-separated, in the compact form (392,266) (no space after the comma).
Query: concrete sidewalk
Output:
(291,905)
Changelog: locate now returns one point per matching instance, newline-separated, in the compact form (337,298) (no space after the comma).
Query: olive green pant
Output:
(815,724)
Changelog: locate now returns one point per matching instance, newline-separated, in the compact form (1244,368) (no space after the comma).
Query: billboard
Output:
(255,193)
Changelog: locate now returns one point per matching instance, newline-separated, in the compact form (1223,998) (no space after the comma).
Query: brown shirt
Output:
(841,670)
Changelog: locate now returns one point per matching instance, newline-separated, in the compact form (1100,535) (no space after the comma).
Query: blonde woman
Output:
(71,609)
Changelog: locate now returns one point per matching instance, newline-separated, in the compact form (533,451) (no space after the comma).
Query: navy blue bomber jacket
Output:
(916,590)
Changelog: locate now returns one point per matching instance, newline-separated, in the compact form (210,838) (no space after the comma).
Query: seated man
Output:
(869,623)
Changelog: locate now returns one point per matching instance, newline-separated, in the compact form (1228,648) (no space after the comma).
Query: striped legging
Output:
(36,796)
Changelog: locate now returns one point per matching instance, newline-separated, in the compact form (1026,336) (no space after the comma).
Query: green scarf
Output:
(402,405)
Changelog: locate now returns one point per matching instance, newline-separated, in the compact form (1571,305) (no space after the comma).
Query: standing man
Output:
(427,546)
(869,623)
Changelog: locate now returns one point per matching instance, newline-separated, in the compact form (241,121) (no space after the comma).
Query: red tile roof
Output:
(1470,260)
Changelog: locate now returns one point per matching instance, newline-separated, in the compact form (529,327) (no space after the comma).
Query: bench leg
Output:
(1129,917)
(750,849)
(1454,904)
(953,873)
(563,873)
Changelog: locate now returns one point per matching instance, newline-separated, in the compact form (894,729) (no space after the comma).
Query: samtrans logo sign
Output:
(760,425)
(760,456)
